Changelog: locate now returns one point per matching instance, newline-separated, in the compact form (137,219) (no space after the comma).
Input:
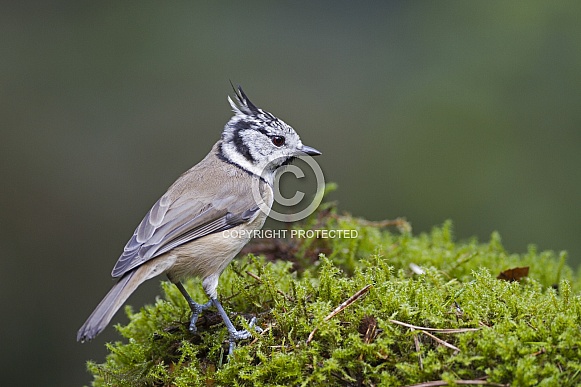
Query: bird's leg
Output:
(194,306)
(235,335)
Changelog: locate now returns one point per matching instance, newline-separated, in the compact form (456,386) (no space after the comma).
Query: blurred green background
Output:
(428,110)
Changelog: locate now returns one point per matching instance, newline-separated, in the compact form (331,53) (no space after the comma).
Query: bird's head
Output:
(259,142)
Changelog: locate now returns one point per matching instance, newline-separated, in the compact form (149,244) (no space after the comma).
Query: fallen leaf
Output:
(514,274)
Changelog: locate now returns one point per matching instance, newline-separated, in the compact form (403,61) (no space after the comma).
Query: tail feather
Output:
(107,308)
(120,292)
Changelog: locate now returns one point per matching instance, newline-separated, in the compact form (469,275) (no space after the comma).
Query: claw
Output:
(234,334)
(197,309)
(252,324)
(194,306)
(237,336)
(242,334)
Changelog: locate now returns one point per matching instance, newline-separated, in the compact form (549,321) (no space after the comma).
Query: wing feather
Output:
(171,224)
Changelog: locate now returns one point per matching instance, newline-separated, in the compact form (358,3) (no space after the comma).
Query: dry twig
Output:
(439,330)
(479,382)
(426,331)
(340,308)
(418,350)
(444,343)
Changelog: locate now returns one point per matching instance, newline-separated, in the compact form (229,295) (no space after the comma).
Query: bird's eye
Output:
(277,140)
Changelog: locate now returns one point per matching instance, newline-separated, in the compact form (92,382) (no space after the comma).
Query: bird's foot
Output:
(237,335)
(197,309)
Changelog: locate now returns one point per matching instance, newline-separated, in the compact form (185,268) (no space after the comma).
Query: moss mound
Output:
(422,308)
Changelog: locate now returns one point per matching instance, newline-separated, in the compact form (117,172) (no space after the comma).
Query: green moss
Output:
(528,331)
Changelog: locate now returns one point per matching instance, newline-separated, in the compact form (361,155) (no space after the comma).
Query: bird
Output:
(183,234)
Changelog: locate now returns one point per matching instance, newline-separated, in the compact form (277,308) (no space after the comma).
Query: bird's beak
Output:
(310,151)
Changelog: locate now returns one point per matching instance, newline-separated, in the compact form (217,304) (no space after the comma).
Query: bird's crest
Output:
(243,106)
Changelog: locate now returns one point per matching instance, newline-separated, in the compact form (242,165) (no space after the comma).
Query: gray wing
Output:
(171,224)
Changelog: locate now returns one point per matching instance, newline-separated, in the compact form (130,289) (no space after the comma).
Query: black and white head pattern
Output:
(256,140)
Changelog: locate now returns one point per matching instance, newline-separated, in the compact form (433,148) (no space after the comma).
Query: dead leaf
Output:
(514,274)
